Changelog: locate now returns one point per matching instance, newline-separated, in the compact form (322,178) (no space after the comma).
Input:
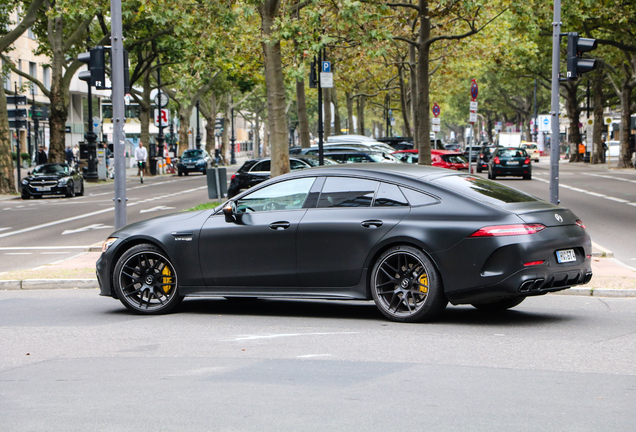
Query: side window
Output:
(347,192)
(262,166)
(356,158)
(286,195)
(417,198)
(295,164)
(389,196)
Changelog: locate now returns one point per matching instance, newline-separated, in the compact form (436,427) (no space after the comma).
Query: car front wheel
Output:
(406,286)
(145,281)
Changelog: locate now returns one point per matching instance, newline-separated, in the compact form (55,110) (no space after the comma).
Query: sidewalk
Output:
(611,278)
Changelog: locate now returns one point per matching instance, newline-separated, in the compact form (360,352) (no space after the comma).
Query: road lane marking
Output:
(54,253)
(4,229)
(609,177)
(19,253)
(42,247)
(611,198)
(158,208)
(259,337)
(85,215)
(86,228)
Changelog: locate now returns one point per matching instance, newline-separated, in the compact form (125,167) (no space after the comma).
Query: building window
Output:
(33,71)
(30,34)
(6,78)
(46,75)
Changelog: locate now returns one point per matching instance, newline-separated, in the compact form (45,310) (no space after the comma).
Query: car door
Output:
(351,217)
(259,248)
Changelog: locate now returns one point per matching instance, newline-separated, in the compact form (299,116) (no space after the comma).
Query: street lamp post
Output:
(160,137)
(233,139)
(198,138)
(17,142)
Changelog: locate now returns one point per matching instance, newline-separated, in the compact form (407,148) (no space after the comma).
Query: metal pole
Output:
(160,137)
(91,173)
(17,134)
(535,126)
(233,139)
(321,130)
(29,123)
(554,140)
(119,139)
(198,132)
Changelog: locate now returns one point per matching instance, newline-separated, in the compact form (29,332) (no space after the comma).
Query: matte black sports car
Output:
(193,160)
(412,238)
(53,179)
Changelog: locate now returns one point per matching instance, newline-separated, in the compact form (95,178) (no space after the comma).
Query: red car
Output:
(439,158)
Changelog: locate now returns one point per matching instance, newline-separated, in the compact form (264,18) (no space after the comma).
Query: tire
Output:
(81,192)
(180,173)
(406,286)
(527,177)
(145,281)
(500,305)
(25,196)
(479,169)
(490,176)
(204,172)
(70,191)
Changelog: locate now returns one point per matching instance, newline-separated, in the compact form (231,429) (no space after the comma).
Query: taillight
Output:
(497,160)
(533,263)
(527,161)
(508,230)
(580,223)
(481,155)
(233,175)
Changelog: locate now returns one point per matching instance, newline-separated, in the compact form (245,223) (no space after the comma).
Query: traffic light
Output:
(96,61)
(577,65)
(313,79)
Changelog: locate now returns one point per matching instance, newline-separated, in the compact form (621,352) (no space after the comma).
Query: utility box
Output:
(217,183)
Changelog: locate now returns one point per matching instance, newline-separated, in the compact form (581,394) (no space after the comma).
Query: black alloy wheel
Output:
(145,281)
(500,305)
(406,286)
(70,190)
(25,195)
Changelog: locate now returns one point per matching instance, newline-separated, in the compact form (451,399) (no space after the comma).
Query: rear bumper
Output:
(511,171)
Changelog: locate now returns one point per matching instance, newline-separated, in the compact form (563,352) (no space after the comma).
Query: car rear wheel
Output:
(478,167)
(145,281)
(406,286)
(81,192)
(500,305)
(70,190)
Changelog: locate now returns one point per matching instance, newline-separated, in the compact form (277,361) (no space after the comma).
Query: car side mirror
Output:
(229,211)
(29,173)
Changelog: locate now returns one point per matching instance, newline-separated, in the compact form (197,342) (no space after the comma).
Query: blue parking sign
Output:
(326,66)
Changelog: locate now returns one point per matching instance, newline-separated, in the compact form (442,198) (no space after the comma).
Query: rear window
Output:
(512,152)
(458,159)
(482,189)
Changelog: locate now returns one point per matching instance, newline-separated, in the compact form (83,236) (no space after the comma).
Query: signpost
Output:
(474,91)
(436,121)
(326,76)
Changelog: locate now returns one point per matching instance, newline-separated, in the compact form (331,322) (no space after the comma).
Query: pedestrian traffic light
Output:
(577,65)
(96,61)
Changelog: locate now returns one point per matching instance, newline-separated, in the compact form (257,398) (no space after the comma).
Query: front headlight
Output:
(25,182)
(108,243)
(62,182)
(201,162)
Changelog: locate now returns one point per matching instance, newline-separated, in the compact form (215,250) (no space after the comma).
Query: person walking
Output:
(141,154)
(68,155)
(41,158)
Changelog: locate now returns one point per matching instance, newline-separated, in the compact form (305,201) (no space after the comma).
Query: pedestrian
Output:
(76,153)
(68,155)
(603,154)
(41,158)
(217,155)
(141,154)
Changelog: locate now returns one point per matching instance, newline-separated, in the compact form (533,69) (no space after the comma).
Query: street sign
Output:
(607,121)
(436,110)
(436,128)
(392,121)
(40,112)
(590,122)
(436,121)
(326,79)
(326,66)
(164,118)
(498,126)
(96,122)
(472,118)
(474,89)
(219,123)
(21,113)
(473,106)
(20,100)
(544,123)
(21,124)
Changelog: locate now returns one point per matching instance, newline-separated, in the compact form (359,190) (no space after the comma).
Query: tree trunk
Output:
(275,90)
(406,127)
(257,135)
(574,113)
(414,94)
(145,107)
(423,108)
(7,181)
(210,124)
(625,155)
(597,146)
(184,126)
(266,139)
(326,101)
(303,121)
(337,124)
(361,102)
(350,124)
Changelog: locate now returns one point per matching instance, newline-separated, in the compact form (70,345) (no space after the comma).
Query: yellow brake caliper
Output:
(167,278)
(423,283)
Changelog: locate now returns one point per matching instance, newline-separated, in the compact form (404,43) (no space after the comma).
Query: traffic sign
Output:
(473,117)
(607,120)
(474,89)
(436,110)
(473,106)
(20,113)
(436,121)
(163,118)
(326,66)
(326,79)
(20,100)
(436,128)
(544,123)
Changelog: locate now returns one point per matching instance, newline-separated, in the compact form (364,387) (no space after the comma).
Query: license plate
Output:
(190,166)
(567,255)
(513,162)
(43,189)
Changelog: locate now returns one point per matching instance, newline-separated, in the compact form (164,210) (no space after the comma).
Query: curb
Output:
(34,284)
(601,252)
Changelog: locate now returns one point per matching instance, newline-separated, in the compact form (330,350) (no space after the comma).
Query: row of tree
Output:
(254,55)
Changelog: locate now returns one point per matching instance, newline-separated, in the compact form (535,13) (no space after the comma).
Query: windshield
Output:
(192,153)
(458,159)
(51,170)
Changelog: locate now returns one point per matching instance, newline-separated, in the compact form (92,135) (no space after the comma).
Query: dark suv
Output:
(193,161)
(484,156)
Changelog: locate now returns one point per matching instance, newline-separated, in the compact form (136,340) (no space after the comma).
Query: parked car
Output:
(356,232)
(256,171)
(614,149)
(53,179)
(510,161)
(439,158)
(532,149)
(355,146)
(475,152)
(362,157)
(193,160)
(452,146)
(484,156)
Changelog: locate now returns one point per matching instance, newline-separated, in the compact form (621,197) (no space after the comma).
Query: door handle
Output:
(277,226)
(374,223)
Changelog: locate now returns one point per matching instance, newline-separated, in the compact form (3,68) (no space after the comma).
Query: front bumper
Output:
(103,276)
(189,168)
(53,190)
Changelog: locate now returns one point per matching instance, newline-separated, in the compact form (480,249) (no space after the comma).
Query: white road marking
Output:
(61,221)
(611,198)
(87,228)
(2,229)
(158,208)
(54,253)
(256,337)
(43,247)
(314,355)
(19,253)
(609,177)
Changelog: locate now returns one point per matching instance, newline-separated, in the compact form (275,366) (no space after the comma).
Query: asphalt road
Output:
(38,232)
(604,199)
(73,361)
